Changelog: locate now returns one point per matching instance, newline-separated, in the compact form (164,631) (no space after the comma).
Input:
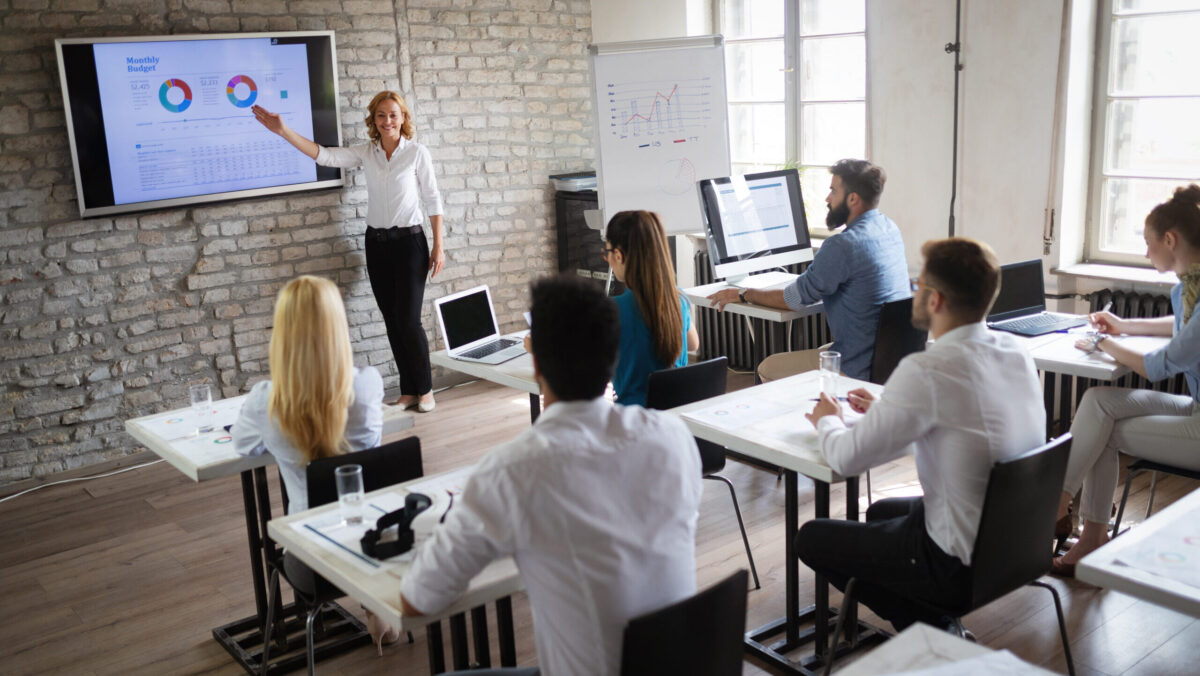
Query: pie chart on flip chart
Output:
(175,95)
(242,96)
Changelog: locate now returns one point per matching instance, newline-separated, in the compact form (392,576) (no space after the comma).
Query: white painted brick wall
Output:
(106,319)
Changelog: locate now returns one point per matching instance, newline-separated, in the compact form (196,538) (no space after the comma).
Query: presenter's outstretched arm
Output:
(275,123)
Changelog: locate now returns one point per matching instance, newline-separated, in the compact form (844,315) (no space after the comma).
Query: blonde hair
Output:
(406,129)
(312,367)
(649,274)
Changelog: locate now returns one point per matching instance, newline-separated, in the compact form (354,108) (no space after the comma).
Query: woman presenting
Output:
(400,183)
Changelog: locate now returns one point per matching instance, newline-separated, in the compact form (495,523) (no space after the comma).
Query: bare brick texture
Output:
(106,319)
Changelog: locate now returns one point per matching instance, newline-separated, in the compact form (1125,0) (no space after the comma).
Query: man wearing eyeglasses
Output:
(854,273)
(968,401)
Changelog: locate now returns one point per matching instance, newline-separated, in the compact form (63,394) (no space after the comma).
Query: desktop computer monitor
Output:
(754,223)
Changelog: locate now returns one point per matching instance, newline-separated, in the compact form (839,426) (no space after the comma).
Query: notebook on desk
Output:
(1021,305)
(468,325)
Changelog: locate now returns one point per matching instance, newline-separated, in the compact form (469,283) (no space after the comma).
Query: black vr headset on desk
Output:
(373,544)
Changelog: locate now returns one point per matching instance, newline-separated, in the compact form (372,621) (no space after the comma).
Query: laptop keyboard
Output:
(491,348)
(1038,324)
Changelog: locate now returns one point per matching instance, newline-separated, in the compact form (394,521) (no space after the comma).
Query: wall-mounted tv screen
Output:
(165,121)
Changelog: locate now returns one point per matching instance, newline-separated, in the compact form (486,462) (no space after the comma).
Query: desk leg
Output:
(535,407)
(1048,401)
(775,654)
(851,621)
(505,635)
(255,539)
(1064,403)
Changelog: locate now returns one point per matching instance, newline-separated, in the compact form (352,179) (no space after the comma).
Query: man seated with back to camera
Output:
(972,399)
(596,502)
(854,273)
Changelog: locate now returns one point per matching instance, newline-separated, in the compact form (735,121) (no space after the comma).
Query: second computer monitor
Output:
(754,223)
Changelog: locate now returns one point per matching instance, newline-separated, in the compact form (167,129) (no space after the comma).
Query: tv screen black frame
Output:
(88,141)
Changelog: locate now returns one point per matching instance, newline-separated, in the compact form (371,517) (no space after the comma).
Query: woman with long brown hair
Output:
(656,320)
(1143,423)
(401,188)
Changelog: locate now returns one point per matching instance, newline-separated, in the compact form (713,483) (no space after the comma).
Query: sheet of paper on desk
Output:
(996,663)
(735,415)
(453,482)
(211,447)
(1172,552)
(329,533)
(181,423)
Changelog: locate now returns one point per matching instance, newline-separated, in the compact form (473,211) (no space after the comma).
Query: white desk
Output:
(780,319)
(772,428)
(515,373)
(1102,569)
(920,646)
(211,456)
(379,590)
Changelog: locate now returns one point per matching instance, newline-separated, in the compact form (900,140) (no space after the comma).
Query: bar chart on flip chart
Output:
(660,125)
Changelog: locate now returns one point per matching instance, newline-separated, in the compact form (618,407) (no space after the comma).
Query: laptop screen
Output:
(467,319)
(1022,291)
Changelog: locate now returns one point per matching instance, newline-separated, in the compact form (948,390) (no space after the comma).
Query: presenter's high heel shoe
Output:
(426,406)
(381,632)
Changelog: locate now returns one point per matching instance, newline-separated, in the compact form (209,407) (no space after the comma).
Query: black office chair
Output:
(383,466)
(895,339)
(698,636)
(673,387)
(1136,468)
(1010,551)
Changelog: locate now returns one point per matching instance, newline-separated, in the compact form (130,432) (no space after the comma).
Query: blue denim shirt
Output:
(1182,354)
(854,273)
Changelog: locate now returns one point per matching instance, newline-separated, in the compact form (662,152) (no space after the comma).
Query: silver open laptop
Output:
(468,324)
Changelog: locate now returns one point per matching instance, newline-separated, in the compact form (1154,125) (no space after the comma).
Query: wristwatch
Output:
(742,295)
(1097,339)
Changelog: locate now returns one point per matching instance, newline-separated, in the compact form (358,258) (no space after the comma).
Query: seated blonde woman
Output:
(317,403)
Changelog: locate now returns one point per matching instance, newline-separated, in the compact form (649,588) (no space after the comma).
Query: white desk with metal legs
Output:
(515,373)
(1169,543)
(376,584)
(202,457)
(766,422)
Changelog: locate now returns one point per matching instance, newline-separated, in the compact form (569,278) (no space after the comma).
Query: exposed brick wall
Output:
(106,319)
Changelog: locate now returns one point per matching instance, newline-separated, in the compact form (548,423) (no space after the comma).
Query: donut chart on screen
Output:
(168,86)
(249,100)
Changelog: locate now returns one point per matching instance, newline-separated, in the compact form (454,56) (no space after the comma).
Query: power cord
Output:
(82,478)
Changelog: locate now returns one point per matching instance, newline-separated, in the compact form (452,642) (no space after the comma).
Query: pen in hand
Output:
(838,398)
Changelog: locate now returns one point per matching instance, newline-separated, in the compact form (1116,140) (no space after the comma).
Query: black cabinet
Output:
(580,248)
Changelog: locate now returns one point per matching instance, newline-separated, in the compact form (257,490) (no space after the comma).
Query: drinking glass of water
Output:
(831,366)
(202,408)
(350,493)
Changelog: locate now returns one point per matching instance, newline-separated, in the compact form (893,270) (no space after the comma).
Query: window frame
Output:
(1106,20)
(793,101)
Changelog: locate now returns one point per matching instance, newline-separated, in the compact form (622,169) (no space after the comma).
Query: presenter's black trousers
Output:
(397,265)
(893,559)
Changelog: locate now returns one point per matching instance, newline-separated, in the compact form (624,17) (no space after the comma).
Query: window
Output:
(1147,119)
(796,76)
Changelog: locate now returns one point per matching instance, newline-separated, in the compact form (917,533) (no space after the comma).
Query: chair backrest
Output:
(382,466)
(699,636)
(895,339)
(1016,528)
(673,387)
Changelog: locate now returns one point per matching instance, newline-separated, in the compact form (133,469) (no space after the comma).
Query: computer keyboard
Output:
(1036,325)
(491,348)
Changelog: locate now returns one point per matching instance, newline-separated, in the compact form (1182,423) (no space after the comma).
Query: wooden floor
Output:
(128,574)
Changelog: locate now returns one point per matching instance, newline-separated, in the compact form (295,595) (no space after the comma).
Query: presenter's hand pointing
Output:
(269,120)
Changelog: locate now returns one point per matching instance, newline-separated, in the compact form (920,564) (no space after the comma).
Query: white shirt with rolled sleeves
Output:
(397,189)
(970,400)
(597,504)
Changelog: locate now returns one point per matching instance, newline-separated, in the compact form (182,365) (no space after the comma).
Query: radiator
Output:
(727,334)
(1140,306)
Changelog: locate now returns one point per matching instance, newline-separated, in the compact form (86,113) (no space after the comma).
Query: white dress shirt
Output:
(972,399)
(597,503)
(396,188)
(255,433)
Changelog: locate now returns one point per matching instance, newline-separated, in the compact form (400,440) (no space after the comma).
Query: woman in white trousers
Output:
(1146,424)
